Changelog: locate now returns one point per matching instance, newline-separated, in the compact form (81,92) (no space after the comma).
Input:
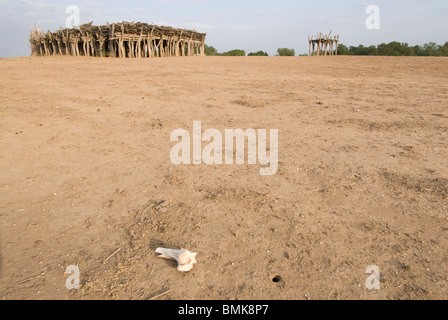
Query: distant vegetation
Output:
(211,51)
(258,53)
(285,52)
(391,49)
(396,49)
(234,53)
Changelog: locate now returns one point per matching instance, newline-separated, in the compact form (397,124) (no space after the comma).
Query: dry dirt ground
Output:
(86,178)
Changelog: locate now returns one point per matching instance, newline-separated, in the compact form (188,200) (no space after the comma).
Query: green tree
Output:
(343,50)
(443,50)
(285,52)
(258,53)
(391,49)
(372,51)
(211,51)
(431,49)
(234,53)
(364,51)
(418,51)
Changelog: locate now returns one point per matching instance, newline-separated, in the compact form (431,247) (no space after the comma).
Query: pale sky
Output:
(251,25)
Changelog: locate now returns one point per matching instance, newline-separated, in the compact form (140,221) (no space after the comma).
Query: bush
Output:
(234,53)
(343,50)
(285,52)
(259,54)
(210,51)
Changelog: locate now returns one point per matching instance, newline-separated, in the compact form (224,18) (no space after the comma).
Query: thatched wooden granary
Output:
(123,40)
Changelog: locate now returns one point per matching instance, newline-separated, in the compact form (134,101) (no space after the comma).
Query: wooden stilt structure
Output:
(123,40)
(323,44)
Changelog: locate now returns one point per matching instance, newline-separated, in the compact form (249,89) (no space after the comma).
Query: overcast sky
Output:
(251,25)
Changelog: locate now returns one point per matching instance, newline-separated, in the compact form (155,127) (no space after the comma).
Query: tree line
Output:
(394,48)
(211,51)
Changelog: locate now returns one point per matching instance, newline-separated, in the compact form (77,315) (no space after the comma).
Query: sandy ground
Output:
(86,178)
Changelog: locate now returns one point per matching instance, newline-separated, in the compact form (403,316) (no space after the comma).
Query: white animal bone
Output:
(184,258)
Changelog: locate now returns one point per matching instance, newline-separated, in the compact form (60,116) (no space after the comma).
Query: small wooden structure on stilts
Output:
(323,45)
(122,40)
